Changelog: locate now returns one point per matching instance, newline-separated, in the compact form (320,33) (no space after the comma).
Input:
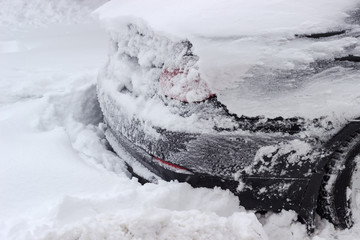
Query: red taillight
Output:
(169,164)
(184,85)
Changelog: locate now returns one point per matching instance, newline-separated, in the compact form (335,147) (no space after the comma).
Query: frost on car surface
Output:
(246,102)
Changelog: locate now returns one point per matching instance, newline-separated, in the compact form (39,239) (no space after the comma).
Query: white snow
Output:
(20,13)
(232,18)
(58,180)
(236,41)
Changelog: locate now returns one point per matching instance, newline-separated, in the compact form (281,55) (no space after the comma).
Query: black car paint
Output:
(283,186)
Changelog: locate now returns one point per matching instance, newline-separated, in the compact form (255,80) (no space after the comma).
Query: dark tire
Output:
(337,195)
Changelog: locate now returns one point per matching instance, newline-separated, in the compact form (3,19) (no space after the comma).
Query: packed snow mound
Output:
(79,113)
(20,13)
(163,211)
(150,224)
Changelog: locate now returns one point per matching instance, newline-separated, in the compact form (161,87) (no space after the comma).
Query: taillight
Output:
(184,85)
(172,166)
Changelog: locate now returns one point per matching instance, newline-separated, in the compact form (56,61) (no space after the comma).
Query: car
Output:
(260,99)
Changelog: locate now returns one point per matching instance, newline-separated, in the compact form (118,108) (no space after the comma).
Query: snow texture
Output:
(249,54)
(58,180)
(137,57)
(20,13)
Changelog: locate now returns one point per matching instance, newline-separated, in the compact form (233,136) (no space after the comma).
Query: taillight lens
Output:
(171,166)
(184,85)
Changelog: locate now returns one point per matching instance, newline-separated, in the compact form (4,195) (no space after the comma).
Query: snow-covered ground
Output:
(57,178)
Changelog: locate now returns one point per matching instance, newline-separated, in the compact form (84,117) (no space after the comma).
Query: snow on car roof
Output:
(251,54)
(213,18)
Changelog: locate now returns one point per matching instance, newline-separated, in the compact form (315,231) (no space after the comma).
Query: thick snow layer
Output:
(59,181)
(232,18)
(249,54)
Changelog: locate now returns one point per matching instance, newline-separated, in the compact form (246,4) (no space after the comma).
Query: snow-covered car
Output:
(258,97)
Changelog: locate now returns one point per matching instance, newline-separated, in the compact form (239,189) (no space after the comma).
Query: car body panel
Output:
(264,121)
